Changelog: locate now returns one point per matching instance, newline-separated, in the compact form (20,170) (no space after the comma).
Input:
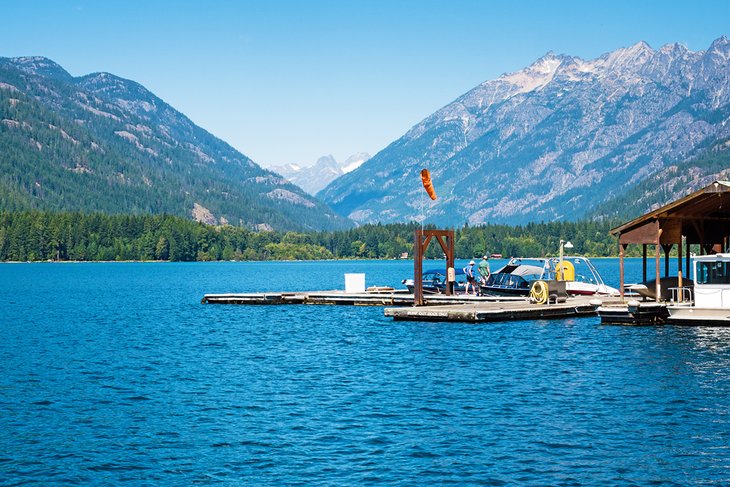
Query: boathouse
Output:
(701,219)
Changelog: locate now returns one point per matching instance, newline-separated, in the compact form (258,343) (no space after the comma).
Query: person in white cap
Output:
(470,277)
(484,269)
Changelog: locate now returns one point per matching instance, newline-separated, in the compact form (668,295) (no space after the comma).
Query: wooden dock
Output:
(335,297)
(439,307)
(501,311)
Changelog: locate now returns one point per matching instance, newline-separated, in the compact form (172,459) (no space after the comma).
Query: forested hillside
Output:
(41,236)
(713,163)
(100,143)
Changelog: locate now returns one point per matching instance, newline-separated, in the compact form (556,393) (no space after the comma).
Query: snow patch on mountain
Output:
(536,76)
(354,161)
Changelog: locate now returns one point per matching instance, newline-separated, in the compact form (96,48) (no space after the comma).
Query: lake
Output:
(114,372)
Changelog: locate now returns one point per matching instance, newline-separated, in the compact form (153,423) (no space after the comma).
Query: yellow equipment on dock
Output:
(539,292)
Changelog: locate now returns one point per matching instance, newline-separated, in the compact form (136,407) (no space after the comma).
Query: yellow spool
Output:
(539,292)
(564,271)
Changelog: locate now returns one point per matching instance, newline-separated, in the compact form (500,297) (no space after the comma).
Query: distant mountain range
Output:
(103,143)
(562,139)
(316,177)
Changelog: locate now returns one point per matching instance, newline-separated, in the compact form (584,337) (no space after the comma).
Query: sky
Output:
(290,81)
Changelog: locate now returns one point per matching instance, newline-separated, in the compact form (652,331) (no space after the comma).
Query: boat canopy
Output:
(522,270)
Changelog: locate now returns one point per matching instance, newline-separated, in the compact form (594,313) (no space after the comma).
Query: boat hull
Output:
(503,291)
(686,315)
(573,288)
(576,288)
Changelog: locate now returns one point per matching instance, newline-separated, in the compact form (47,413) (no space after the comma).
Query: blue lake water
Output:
(113,373)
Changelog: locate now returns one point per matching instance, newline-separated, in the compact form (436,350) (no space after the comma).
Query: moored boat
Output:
(434,281)
(711,293)
(516,278)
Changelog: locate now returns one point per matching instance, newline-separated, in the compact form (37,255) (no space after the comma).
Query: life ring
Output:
(539,292)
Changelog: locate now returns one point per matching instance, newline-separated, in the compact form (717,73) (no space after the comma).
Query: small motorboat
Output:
(517,277)
(434,282)
(582,278)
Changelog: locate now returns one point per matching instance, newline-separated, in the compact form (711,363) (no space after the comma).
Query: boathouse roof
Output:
(703,217)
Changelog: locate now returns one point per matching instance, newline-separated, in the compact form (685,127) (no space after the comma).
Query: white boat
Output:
(585,277)
(711,303)
(580,276)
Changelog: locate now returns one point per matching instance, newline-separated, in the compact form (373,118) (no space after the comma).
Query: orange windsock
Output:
(427,184)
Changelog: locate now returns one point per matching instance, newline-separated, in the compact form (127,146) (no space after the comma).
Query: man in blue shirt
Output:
(471,279)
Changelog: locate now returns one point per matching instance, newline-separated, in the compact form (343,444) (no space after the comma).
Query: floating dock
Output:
(439,307)
(634,313)
(394,297)
(501,311)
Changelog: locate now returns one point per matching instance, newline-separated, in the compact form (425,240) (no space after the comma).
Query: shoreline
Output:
(270,260)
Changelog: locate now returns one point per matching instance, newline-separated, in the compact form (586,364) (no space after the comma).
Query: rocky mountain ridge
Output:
(553,141)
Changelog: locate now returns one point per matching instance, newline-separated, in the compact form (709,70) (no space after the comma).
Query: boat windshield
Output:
(532,277)
(712,273)
(583,269)
(515,276)
(434,277)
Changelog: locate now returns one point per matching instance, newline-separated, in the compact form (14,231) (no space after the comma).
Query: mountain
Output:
(354,161)
(323,172)
(677,180)
(103,143)
(557,140)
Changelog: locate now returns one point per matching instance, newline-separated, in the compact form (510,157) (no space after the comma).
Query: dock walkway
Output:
(501,311)
(439,307)
(381,298)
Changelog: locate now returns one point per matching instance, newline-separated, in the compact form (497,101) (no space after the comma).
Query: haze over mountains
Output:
(103,143)
(564,138)
(316,177)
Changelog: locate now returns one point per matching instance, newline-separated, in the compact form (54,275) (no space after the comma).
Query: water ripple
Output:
(121,376)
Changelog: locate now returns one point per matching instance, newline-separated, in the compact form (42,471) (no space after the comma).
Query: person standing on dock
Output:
(470,277)
(484,269)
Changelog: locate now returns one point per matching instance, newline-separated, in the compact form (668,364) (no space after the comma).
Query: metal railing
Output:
(681,295)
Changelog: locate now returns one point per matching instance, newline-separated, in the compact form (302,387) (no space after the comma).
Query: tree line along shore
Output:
(74,236)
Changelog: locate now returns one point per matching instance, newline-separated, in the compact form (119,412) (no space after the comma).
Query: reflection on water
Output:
(713,339)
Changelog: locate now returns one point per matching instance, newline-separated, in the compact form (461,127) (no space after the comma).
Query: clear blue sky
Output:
(289,81)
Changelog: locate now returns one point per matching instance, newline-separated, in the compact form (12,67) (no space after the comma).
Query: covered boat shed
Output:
(701,218)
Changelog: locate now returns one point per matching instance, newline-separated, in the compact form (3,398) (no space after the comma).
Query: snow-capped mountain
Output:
(555,140)
(313,178)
